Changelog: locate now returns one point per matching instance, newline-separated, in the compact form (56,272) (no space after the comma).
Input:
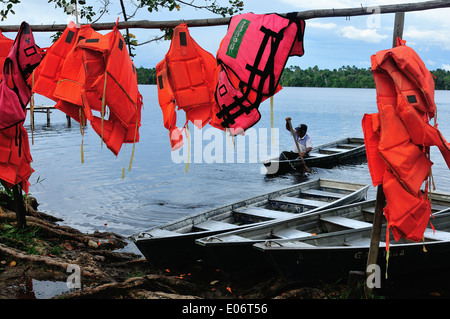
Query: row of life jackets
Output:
(19,58)
(89,75)
(398,138)
(226,91)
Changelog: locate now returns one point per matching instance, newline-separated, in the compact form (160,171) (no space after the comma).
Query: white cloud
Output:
(366,35)
(446,67)
(324,26)
(428,37)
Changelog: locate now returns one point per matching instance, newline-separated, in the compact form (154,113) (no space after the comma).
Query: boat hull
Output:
(174,243)
(325,258)
(344,151)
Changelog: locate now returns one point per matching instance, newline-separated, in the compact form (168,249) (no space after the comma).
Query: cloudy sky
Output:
(329,42)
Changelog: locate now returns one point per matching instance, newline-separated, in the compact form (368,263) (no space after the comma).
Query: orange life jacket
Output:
(15,157)
(111,80)
(23,57)
(397,139)
(186,77)
(74,73)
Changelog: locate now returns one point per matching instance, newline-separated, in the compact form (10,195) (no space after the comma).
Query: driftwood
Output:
(309,14)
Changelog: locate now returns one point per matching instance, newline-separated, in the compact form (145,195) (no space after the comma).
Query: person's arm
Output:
(287,123)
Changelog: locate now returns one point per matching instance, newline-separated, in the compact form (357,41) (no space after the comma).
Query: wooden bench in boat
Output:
(214,225)
(157,232)
(299,201)
(345,222)
(262,212)
(317,192)
(331,150)
(436,207)
(348,146)
(286,233)
(436,235)
(363,241)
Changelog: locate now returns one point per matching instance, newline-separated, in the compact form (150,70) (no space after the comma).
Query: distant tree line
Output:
(344,77)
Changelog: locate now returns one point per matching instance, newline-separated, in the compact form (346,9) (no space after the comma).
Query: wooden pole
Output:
(381,198)
(309,14)
(20,207)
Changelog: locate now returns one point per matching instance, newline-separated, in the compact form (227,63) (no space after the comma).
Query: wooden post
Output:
(381,198)
(398,27)
(20,207)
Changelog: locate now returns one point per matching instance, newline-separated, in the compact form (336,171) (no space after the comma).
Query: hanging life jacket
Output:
(5,48)
(71,78)
(253,55)
(398,138)
(111,81)
(186,78)
(15,157)
(15,93)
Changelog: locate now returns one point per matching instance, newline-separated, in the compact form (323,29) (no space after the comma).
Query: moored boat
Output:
(233,251)
(174,242)
(327,155)
(330,257)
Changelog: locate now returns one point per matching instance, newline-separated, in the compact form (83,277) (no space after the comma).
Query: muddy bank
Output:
(50,253)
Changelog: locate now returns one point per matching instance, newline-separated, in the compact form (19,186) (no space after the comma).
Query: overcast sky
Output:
(329,42)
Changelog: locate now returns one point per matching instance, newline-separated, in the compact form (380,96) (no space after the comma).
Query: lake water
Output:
(94,196)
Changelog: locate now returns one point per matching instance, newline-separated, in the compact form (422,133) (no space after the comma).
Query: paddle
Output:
(288,120)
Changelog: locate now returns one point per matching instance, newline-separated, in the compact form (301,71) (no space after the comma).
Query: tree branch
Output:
(310,14)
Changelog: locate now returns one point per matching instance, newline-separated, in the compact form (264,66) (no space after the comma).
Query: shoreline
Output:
(107,271)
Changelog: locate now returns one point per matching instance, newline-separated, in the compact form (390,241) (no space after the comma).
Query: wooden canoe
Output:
(174,242)
(342,151)
(330,257)
(233,251)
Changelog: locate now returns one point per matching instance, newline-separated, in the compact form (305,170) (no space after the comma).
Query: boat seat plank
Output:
(290,233)
(364,241)
(315,155)
(346,222)
(299,201)
(333,149)
(348,146)
(317,192)
(437,207)
(262,212)
(370,210)
(214,225)
(158,232)
(436,235)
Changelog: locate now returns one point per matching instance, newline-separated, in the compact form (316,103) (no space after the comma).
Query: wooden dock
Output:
(45,109)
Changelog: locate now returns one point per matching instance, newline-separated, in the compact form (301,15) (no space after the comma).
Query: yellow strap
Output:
(32,112)
(271,117)
(80,115)
(188,135)
(103,103)
(387,263)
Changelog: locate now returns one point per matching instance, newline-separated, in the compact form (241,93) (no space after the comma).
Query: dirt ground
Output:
(108,271)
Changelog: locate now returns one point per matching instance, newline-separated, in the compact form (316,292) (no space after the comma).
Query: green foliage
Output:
(146,76)
(345,77)
(209,5)
(9,4)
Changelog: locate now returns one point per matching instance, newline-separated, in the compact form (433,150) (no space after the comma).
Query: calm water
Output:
(157,189)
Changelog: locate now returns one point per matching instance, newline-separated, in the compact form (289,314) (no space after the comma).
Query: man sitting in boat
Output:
(304,142)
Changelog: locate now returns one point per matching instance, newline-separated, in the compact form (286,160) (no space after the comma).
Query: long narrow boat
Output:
(339,152)
(174,242)
(233,251)
(332,256)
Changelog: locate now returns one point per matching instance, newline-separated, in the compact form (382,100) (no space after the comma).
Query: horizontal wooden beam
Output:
(309,14)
